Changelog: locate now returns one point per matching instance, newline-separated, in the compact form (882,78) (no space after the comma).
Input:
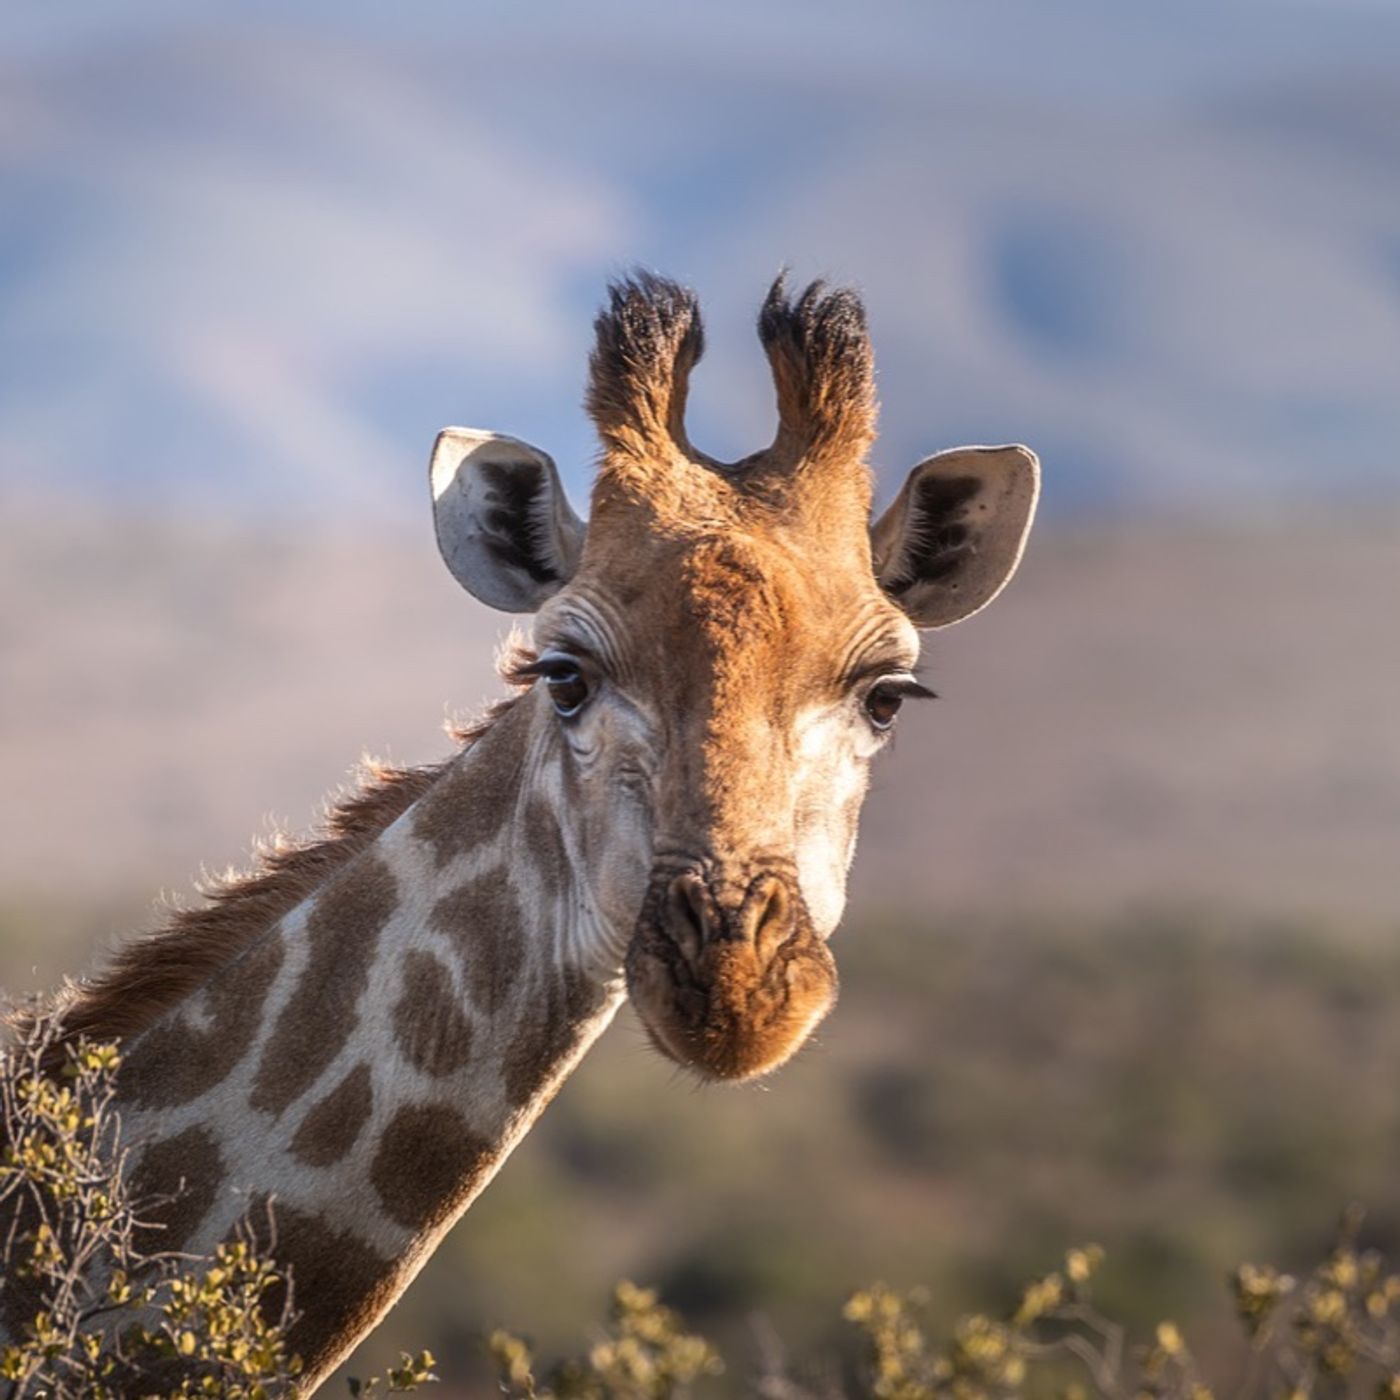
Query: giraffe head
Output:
(722,649)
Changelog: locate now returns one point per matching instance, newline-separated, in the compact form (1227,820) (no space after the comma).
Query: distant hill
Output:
(1147,716)
(247,256)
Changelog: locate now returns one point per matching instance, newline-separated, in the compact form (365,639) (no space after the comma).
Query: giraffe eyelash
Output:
(553,660)
(909,687)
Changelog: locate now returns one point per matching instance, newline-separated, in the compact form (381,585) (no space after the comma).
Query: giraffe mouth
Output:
(728,987)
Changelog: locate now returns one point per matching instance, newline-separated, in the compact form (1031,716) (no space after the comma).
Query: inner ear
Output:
(504,526)
(955,534)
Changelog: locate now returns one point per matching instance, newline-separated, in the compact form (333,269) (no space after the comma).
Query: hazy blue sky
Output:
(253,257)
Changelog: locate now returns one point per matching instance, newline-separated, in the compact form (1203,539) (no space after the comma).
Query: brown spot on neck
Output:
(459,815)
(545,843)
(332,1126)
(483,920)
(176,1061)
(430,1028)
(474,797)
(557,1011)
(428,1165)
(174,1185)
(340,1286)
(342,933)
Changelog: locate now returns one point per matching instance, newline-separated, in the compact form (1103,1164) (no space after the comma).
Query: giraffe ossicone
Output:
(665,807)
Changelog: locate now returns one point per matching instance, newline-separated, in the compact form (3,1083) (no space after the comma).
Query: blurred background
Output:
(1123,951)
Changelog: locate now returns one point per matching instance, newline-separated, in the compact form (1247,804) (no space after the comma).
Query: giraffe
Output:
(355,1036)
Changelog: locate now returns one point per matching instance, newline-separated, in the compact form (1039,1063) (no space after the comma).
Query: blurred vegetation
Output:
(1337,1336)
(1187,1088)
(645,1354)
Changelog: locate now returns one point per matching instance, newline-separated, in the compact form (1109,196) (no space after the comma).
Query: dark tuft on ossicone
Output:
(828,326)
(823,370)
(649,337)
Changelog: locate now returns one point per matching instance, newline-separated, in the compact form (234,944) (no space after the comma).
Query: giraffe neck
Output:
(369,1062)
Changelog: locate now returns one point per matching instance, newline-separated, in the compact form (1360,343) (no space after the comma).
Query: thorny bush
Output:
(92,1313)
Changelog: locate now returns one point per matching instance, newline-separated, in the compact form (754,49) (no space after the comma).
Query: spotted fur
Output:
(342,934)
(333,1125)
(175,1184)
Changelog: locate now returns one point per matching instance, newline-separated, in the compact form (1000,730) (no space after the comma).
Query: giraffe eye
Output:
(883,703)
(568,688)
(884,700)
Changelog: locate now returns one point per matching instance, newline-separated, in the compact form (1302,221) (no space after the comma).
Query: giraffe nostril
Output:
(767,916)
(689,914)
(694,918)
(728,975)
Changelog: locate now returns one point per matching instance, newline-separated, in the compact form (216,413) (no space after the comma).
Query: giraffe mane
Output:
(152,973)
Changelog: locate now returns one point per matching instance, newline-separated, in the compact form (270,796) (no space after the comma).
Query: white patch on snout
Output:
(829,784)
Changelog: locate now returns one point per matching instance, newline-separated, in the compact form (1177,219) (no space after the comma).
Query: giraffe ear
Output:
(504,526)
(954,535)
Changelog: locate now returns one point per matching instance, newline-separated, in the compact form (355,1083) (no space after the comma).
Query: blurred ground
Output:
(1186,1092)
(1120,964)
(1150,713)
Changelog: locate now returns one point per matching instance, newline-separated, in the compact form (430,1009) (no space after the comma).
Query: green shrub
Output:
(94,1314)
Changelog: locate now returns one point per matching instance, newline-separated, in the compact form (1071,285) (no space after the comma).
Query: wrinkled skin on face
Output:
(722,650)
(727,682)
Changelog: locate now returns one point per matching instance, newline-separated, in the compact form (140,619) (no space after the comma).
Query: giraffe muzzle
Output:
(728,982)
